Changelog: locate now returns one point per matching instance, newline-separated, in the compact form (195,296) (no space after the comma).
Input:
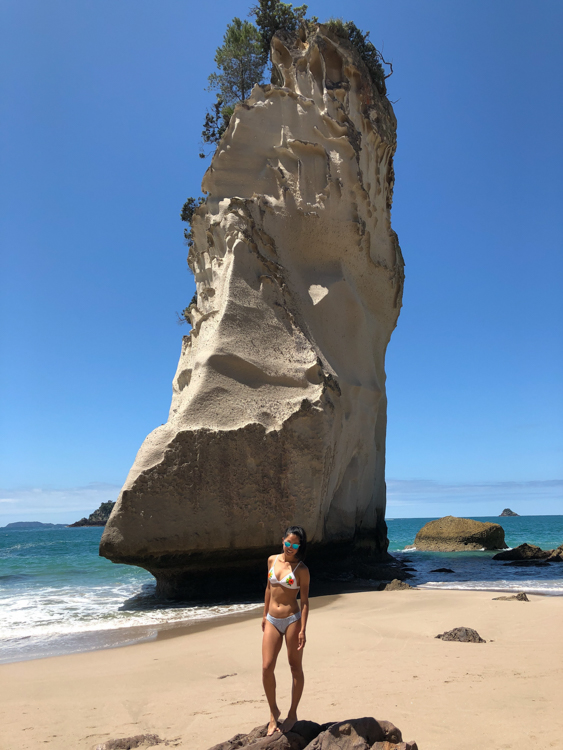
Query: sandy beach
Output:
(371,653)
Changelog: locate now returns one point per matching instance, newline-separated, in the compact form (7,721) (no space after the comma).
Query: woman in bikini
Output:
(287,576)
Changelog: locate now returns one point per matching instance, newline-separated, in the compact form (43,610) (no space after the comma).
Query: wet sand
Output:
(368,653)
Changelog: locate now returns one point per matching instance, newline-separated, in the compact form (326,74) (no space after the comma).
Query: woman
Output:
(287,576)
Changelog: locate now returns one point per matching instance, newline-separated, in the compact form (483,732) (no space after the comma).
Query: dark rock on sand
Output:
(443,570)
(464,635)
(451,534)
(523,552)
(128,743)
(516,598)
(302,734)
(396,585)
(352,734)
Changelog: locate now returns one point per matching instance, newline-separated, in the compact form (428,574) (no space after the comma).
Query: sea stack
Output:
(451,534)
(278,411)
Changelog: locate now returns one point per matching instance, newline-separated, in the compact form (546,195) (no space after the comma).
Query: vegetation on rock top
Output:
(99,517)
(242,60)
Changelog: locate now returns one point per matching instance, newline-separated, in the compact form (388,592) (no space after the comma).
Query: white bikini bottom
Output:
(282,623)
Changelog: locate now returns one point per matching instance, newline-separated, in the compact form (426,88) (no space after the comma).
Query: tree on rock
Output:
(240,65)
(239,61)
(273,15)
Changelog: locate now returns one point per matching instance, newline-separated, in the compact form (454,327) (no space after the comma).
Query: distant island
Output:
(508,512)
(98,517)
(34,525)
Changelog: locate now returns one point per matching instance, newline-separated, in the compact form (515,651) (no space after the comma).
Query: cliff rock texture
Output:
(278,412)
(451,534)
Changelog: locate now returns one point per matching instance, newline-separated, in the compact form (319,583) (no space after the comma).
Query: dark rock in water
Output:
(129,743)
(451,534)
(515,598)
(396,585)
(508,512)
(464,635)
(556,555)
(98,518)
(523,552)
(528,563)
(443,570)
(409,570)
(352,734)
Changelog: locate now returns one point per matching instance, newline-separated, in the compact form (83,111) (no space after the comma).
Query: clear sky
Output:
(102,106)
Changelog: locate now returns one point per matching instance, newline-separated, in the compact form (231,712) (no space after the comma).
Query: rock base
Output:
(352,734)
(241,575)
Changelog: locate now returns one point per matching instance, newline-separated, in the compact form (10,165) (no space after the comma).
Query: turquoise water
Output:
(477,570)
(544,531)
(57,595)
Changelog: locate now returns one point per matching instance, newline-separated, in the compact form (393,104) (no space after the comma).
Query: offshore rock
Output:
(278,412)
(451,534)
(98,518)
(523,552)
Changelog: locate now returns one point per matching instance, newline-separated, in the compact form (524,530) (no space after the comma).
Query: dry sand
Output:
(370,653)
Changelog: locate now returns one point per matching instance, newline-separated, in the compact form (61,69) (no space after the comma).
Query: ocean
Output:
(58,596)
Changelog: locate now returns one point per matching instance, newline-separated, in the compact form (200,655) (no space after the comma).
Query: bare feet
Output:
(273,723)
(289,723)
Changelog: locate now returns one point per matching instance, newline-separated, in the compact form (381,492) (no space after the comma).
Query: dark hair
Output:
(299,531)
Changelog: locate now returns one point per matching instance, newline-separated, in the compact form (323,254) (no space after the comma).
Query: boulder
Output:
(464,635)
(278,411)
(451,534)
(515,598)
(523,552)
(397,585)
(556,555)
(353,734)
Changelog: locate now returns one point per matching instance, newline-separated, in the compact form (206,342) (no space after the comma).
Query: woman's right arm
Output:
(266,600)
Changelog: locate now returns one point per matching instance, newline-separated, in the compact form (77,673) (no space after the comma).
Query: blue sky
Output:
(102,106)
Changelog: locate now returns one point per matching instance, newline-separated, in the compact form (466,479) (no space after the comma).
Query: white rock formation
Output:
(278,413)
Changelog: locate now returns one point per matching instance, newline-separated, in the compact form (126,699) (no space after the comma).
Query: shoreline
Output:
(124,637)
(101,639)
(368,653)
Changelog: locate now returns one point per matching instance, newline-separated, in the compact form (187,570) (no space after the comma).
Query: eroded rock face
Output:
(451,534)
(278,413)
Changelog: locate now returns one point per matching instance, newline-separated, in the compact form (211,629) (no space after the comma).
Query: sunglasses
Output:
(289,544)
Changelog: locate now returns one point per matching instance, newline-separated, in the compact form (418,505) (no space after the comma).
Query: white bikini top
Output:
(289,581)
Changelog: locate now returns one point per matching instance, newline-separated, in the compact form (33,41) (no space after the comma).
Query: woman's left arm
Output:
(304,580)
